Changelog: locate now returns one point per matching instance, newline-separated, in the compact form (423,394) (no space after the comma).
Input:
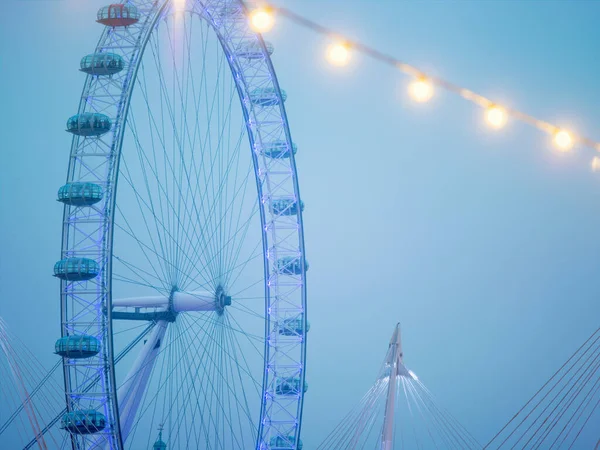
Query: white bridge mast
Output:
(394,361)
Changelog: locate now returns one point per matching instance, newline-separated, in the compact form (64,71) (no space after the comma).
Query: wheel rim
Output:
(176,274)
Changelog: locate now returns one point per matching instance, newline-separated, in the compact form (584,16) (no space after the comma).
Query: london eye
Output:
(182,275)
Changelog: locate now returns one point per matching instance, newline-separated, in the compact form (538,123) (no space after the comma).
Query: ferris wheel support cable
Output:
(220,344)
(177,386)
(132,266)
(579,386)
(538,392)
(237,346)
(236,400)
(231,376)
(141,244)
(151,207)
(223,351)
(130,233)
(183,121)
(202,364)
(11,395)
(24,357)
(202,393)
(43,404)
(178,143)
(206,349)
(119,357)
(179,138)
(137,283)
(22,426)
(201,408)
(162,258)
(34,392)
(173,364)
(187,174)
(196,395)
(196,128)
(245,367)
(140,151)
(234,266)
(31,413)
(568,383)
(577,414)
(167,361)
(190,366)
(9,353)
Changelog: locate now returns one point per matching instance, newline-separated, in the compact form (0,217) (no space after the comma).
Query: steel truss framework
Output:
(86,306)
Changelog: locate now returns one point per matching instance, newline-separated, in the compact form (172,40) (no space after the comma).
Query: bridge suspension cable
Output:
(398,411)
(558,413)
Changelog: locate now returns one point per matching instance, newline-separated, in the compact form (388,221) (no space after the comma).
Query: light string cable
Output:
(261,18)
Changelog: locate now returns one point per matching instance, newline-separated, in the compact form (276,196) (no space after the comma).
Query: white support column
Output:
(394,360)
(131,391)
(134,386)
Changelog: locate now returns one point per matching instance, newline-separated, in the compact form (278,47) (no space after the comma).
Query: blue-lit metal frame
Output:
(88,230)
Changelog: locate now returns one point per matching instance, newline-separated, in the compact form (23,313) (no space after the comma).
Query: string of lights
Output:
(422,87)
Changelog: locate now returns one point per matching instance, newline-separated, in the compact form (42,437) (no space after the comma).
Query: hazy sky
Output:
(485,245)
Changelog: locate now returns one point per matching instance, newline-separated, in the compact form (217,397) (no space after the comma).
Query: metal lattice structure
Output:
(168,230)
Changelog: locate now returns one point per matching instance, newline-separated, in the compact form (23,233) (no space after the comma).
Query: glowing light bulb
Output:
(262,20)
(595,164)
(338,54)
(563,140)
(179,5)
(421,90)
(496,116)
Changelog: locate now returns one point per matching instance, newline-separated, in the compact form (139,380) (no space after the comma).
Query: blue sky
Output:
(483,244)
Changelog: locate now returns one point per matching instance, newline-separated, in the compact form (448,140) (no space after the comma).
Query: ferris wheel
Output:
(183,270)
